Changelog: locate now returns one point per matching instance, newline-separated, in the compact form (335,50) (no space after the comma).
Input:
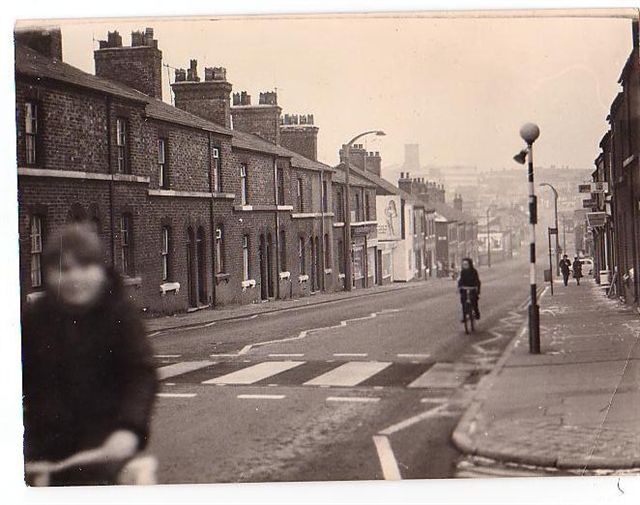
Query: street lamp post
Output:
(555,214)
(346,149)
(488,240)
(529,133)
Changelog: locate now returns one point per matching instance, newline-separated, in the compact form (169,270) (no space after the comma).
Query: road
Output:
(367,388)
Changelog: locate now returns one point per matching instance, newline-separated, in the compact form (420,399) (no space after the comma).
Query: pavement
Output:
(231,312)
(575,406)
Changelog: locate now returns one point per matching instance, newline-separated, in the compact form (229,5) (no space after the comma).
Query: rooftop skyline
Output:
(458,86)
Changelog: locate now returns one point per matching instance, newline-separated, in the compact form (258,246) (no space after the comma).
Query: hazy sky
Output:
(460,87)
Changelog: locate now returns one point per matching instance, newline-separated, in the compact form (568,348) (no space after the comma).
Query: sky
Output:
(461,87)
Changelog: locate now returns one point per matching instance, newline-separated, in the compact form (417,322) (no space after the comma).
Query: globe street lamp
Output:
(346,149)
(530,133)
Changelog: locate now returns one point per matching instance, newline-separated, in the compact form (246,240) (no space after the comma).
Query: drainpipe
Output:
(324,253)
(212,221)
(277,223)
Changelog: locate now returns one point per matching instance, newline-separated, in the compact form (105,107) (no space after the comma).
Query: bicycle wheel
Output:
(466,318)
(472,319)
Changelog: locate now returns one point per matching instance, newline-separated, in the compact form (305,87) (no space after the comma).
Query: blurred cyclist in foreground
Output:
(89,382)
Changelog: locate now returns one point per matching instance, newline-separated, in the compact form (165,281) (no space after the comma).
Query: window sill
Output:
(328,271)
(303,278)
(169,287)
(222,277)
(132,281)
(340,276)
(251,283)
(34,297)
(285,275)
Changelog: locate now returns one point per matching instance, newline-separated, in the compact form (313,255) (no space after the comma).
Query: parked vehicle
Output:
(587,266)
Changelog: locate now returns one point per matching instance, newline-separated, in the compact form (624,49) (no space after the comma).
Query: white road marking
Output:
(176,395)
(183,367)
(434,400)
(349,374)
(417,356)
(440,410)
(261,397)
(440,375)
(169,383)
(154,333)
(210,324)
(287,355)
(388,463)
(355,399)
(350,354)
(161,356)
(255,373)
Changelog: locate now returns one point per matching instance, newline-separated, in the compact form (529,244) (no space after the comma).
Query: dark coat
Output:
(469,278)
(577,269)
(84,376)
(565,267)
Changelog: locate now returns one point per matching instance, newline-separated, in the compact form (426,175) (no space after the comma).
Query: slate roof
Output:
(33,64)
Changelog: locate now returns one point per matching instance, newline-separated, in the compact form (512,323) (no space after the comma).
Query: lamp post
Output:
(555,219)
(346,148)
(530,133)
(488,240)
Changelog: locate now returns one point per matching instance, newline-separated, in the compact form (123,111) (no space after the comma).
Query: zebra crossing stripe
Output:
(349,374)
(168,371)
(255,373)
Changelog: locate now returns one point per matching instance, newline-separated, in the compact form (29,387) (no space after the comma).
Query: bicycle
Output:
(139,470)
(468,317)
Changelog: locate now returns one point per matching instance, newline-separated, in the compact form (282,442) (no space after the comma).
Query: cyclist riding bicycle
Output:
(469,278)
(89,380)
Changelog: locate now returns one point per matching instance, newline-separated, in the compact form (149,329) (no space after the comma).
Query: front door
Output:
(270,266)
(201,267)
(191,281)
(262,257)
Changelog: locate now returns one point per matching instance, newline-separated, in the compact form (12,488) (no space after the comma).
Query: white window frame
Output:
(300,194)
(245,258)
(121,143)
(162,163)
(35,233)
(302,260)
(219,249)
(125,245)
(31,132)
(165,252)
(217,170)
(244,187)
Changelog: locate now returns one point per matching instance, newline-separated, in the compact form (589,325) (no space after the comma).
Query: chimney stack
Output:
(138,66)
(46,41)
(299,134)
(262,119)
(208,99)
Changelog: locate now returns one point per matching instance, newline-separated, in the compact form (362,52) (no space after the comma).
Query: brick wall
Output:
(300,139)
(262,120)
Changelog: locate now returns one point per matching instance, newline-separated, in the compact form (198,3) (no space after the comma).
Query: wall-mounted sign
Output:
(588,204)
(388,213)
(596,219)
(594,187)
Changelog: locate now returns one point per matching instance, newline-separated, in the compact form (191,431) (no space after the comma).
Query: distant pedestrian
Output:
(577,269)
(565,268)
(89,379)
